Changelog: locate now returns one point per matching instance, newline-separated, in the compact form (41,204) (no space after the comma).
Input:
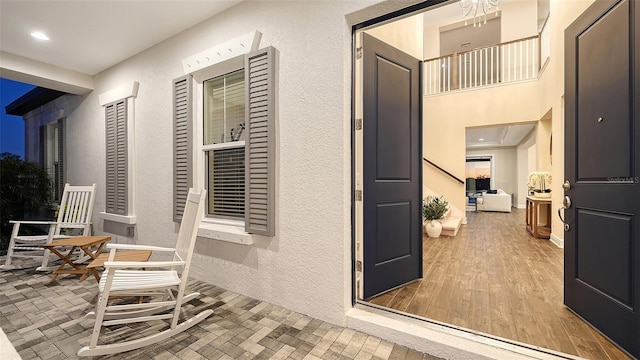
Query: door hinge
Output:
(358,265)
(358,124)
(359,53)
(358,195)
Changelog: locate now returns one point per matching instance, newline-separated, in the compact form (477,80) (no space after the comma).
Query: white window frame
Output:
(261,124)
(224,229)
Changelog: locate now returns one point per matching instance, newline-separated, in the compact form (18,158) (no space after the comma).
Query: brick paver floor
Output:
(45,320)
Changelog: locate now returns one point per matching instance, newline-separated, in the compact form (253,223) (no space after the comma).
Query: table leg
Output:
(93,255)
(66,259)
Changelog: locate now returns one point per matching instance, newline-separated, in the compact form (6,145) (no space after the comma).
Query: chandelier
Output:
(479,9)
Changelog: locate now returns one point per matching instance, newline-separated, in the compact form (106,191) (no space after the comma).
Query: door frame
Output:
(495,342)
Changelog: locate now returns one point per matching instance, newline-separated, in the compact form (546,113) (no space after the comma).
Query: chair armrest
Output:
(140,264)
(138,247)
(32,222)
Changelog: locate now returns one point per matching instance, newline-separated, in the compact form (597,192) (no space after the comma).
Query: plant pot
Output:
(433,228)
(543,194)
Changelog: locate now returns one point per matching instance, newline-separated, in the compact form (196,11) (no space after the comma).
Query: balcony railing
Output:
(507,62)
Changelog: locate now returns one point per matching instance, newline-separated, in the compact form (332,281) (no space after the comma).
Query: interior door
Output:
(392,168)
(602,241)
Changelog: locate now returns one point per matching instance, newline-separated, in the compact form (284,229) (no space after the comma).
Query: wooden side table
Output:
(541,231)
(126,255)
(90,245)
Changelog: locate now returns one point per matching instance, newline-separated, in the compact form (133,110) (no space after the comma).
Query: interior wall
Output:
(544,94)
(505,167)
(405,34)
(519,19)
(447,116)
(452,40)
(431,41)
(526,164)
(543,139)
(562,14)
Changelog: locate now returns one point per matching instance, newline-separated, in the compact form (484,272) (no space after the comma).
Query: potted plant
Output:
(434,208)
(540,181)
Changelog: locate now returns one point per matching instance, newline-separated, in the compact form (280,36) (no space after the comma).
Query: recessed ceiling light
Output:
(481,139)
(40,35)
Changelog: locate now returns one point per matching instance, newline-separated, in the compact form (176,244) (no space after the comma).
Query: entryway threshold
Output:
(439,339)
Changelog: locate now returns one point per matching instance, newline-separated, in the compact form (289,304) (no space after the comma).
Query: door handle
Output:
(567,185)
(560,214)
(566,203)
(566,226)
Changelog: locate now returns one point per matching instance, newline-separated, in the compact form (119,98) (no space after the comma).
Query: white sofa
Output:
(501,201)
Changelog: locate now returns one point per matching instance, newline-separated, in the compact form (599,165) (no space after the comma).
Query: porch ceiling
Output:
(90,36)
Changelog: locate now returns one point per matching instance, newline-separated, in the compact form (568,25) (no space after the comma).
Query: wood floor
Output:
(495,278)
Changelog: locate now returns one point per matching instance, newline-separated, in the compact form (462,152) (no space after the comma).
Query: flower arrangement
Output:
(539,181)
(434,208)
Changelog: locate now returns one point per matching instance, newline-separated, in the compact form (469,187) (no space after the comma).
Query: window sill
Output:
(124,219)
(229,232)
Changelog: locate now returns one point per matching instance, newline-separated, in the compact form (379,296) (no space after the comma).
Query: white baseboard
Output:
(557,241)
(521,206)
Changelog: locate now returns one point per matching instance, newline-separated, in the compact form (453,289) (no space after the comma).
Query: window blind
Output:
(226,180)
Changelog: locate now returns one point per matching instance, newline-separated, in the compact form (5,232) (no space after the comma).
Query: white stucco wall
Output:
(52,111)
(306,266)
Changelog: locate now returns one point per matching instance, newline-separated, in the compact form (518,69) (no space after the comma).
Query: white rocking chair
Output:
(75,212)
(129,279)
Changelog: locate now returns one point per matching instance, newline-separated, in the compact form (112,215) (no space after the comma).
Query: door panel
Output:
(598,70)
(393,128)
(393,221)
(602,243)
(613,256)
(392,168)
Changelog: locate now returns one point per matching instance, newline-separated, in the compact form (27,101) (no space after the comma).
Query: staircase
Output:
(453,220)
(450,225)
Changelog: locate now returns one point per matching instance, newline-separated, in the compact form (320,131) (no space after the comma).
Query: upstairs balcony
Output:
(511,61)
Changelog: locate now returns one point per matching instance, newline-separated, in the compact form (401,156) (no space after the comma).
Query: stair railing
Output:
(502,63)
(457,179)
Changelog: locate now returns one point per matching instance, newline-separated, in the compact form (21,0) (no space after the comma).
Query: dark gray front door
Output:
(392,168)
(602,242)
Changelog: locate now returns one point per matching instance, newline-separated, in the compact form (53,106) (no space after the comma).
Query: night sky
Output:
(11,126)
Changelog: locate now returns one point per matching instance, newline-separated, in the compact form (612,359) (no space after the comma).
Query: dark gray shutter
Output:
(116,153)
(182,143)
(261,91)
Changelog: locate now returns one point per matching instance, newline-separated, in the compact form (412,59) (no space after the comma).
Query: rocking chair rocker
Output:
(121,278)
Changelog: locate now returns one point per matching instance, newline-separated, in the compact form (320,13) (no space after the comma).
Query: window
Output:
(478,173)
(224,144)
(52,155)
(238,140)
